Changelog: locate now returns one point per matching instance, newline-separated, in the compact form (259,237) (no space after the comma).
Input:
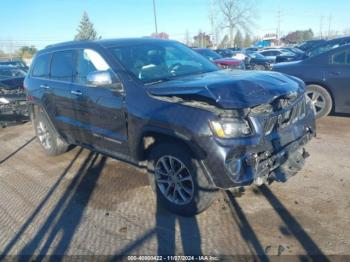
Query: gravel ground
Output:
(82,203)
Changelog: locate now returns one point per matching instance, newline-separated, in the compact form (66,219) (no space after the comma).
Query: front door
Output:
(99,110)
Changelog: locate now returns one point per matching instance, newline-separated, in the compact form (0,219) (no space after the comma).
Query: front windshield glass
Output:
(161,61)
(322,49)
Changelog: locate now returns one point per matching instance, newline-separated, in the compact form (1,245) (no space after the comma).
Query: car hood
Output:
(285,65)
(231,89)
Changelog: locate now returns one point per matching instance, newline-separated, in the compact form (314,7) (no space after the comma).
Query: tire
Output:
(191,181)
(321,99)
(48,138)
(259,67)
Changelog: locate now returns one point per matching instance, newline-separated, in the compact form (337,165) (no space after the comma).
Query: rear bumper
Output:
(259,158)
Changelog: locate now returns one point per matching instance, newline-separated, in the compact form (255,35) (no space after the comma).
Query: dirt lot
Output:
(82,203)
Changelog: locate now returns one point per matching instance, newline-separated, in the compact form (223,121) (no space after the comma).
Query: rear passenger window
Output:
(41,67)
(339,59)
(88,61)
(62,65)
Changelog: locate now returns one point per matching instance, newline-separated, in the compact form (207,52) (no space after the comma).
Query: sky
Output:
(43,22)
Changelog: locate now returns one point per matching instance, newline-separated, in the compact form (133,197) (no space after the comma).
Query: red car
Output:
(223,62)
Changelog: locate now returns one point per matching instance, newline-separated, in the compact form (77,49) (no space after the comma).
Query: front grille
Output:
(285,118)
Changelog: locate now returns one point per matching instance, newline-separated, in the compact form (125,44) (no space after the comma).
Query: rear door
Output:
(338,79)
(99,110)
(39,82)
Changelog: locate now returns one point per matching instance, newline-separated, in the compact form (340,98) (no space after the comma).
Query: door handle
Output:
(45,86)
(77,93)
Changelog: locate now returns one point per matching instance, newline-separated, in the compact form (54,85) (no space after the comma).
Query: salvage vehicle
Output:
(327,76)
(223,62)
(256,61)
(281,55)
(18,63)
(159,104)
(13,106)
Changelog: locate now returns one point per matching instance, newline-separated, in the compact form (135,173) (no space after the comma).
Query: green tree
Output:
(202,40)
(86,30)
(27,52)
(247,41)
(238,39)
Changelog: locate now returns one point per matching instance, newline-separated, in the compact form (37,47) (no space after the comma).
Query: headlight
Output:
(229,128)
(3,100)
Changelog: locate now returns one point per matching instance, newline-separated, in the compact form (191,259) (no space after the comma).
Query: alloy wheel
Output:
(318,101)
(174,180)
(44,135)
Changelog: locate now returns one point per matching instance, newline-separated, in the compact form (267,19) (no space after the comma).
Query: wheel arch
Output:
(153,136)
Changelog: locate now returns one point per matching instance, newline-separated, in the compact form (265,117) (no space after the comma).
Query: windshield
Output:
(8,73)
(323,48)
(161,61)
(210,54)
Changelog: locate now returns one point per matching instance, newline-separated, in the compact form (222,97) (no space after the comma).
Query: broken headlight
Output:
(3,100)
(230,128)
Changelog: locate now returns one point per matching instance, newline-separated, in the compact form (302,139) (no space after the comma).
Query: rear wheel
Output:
(178,180)
(321,100)
(50,141)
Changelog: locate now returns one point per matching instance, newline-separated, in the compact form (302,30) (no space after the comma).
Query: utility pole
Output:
(279,25)
(329,26)
(155,16)
(321,26)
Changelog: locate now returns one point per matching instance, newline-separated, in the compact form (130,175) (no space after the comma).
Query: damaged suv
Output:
(158,104)
(13,106)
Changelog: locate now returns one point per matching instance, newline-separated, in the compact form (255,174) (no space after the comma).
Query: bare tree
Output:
(237,14)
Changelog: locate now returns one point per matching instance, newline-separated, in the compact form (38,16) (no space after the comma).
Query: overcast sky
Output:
(42,22)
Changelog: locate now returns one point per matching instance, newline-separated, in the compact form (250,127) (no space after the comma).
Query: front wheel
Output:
(321,100)
(178,180)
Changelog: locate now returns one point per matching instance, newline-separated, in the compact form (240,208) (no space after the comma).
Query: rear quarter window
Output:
(41,66)
(342,58)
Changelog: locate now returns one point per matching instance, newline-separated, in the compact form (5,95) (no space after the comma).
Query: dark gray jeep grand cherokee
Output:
(160,105)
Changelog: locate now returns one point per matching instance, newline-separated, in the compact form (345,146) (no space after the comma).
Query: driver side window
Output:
(88,61)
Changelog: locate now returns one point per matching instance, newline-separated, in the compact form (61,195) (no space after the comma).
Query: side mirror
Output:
(104,79)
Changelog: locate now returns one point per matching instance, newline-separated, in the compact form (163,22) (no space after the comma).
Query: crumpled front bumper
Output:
(15,109)
(275,156)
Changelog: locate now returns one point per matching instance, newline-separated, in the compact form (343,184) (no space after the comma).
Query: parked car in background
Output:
(13,106)
(232,54)
(328,45)
(327,77)
(256,61)
(159,104)
(307,45)
(18,63)
(280,55)
(223,62)
(251,49)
